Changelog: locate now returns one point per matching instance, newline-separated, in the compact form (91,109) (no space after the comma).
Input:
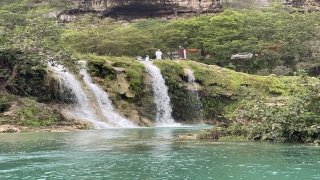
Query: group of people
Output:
(139,58)
(181,52)
(158,56)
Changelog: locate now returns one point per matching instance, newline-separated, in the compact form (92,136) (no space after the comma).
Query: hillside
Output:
(128,10)
(272,95)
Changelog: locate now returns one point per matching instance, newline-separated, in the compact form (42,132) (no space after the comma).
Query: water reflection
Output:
(162,145)
(30,142)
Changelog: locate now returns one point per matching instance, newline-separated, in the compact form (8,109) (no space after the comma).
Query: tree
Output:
(280,37)
(26,51)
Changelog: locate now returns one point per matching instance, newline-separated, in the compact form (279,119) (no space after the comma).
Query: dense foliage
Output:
(24,55)
(282,41)
(15,12)
(259,108)
(98,67)
(294,118)
(278,37)
(108,37)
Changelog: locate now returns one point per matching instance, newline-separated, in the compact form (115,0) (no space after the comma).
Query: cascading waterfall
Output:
(84,108)
(161,97)
(194,100)
(105,103)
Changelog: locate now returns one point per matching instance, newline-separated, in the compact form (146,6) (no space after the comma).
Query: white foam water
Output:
(194,99)
(86,109)
(105,103)
(82,109)
(161,97)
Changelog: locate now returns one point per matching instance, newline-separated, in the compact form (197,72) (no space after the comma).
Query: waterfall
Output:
(86,108)
(82,108)
(161,97)
(193,98)
(105,103)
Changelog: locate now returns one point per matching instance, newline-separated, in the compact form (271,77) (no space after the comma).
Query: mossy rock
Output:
(5,102)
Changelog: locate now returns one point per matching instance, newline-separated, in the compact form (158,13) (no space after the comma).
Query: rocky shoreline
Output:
(7,128)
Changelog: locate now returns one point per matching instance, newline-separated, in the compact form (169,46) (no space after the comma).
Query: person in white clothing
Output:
(139,58)
(158,54)
(147,58)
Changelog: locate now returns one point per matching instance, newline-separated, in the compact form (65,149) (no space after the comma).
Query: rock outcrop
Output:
(29,115)
(140,110)
(136,9)
(8,128)
(128,10)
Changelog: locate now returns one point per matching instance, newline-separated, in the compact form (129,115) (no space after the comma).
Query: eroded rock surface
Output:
(28,115)
(137,9)
(128,10)
(142,111)
(8,128)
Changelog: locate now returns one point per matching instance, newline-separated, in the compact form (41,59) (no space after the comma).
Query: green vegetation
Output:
(5,102)
(279,37)
(247,107)
(269,107)
(26,112)
(108,37)
(15,12)
(222,88)
(31,114)
(24,55)
(282,42)
(105,68)
(293,118)
(172,73)
(285,41)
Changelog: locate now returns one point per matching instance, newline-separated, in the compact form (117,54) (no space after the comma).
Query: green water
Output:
(150,153)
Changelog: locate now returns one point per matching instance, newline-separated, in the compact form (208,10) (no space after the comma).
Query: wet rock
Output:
(188,136)
(8,129)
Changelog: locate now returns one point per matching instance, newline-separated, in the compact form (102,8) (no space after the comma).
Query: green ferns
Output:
(31,114)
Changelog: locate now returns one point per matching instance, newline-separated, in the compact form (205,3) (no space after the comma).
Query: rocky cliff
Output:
(128,10)
(136,9)
(221,92)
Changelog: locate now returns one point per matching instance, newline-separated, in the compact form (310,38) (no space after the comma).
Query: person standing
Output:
(147,58)
(158,54)
(181,52)
(139,58)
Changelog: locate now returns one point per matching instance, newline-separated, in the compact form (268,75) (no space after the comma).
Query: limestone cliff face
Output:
(136,9)
(127,10)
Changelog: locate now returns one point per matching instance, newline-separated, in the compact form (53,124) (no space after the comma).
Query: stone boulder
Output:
(8,129)
(188,136)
